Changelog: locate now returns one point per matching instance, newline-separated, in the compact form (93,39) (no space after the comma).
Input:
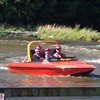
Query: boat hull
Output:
(52,68)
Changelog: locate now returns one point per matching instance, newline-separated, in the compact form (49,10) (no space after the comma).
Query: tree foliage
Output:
(61,12)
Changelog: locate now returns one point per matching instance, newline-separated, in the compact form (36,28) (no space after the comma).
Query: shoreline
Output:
(27,40)
(49,32)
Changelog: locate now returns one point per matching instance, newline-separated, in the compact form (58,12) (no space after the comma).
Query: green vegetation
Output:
(51,32)
(24,15)
(68,33)
(7,31)
(61,12)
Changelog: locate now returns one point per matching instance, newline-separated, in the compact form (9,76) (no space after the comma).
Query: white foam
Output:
(4,68)
(93,61)
(98,45)
(15,59)
(1,55)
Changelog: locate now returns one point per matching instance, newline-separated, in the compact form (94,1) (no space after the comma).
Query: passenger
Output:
(58,53)
(37,55)
(47,53)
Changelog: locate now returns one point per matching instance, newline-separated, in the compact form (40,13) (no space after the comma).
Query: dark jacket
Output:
(36,58)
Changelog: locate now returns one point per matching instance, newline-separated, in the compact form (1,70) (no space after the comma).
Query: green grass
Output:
(68,33)
(53,32)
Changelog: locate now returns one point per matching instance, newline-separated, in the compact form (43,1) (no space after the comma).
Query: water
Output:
(12,51)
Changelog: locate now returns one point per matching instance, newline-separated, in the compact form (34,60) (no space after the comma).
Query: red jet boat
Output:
(54,66)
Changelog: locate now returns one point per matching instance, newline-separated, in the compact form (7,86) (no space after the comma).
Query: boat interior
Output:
(32,51)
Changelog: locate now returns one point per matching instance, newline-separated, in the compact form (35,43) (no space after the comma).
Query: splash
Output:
(3,68)
(93,61)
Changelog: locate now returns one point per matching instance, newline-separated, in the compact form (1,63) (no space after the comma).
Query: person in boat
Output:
(47,53)
(37,57)
(58,53)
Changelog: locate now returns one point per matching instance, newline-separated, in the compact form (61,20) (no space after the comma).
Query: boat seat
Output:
(52,51)
(42,53)
(32,51)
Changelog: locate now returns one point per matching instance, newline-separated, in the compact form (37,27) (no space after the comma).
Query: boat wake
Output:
(15,59)
(3,68)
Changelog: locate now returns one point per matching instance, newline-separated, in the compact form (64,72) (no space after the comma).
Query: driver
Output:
(58,53)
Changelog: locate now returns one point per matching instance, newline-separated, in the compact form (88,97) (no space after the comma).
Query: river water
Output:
(12,51)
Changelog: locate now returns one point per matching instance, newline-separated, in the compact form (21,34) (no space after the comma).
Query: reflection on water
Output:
(26,80)
(12,52)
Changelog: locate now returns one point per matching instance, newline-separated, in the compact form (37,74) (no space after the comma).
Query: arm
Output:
(37,59)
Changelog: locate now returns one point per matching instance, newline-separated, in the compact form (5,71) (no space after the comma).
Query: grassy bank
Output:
(51,32)
(67,33)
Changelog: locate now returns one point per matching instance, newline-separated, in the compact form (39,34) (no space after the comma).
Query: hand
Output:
(41,58)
